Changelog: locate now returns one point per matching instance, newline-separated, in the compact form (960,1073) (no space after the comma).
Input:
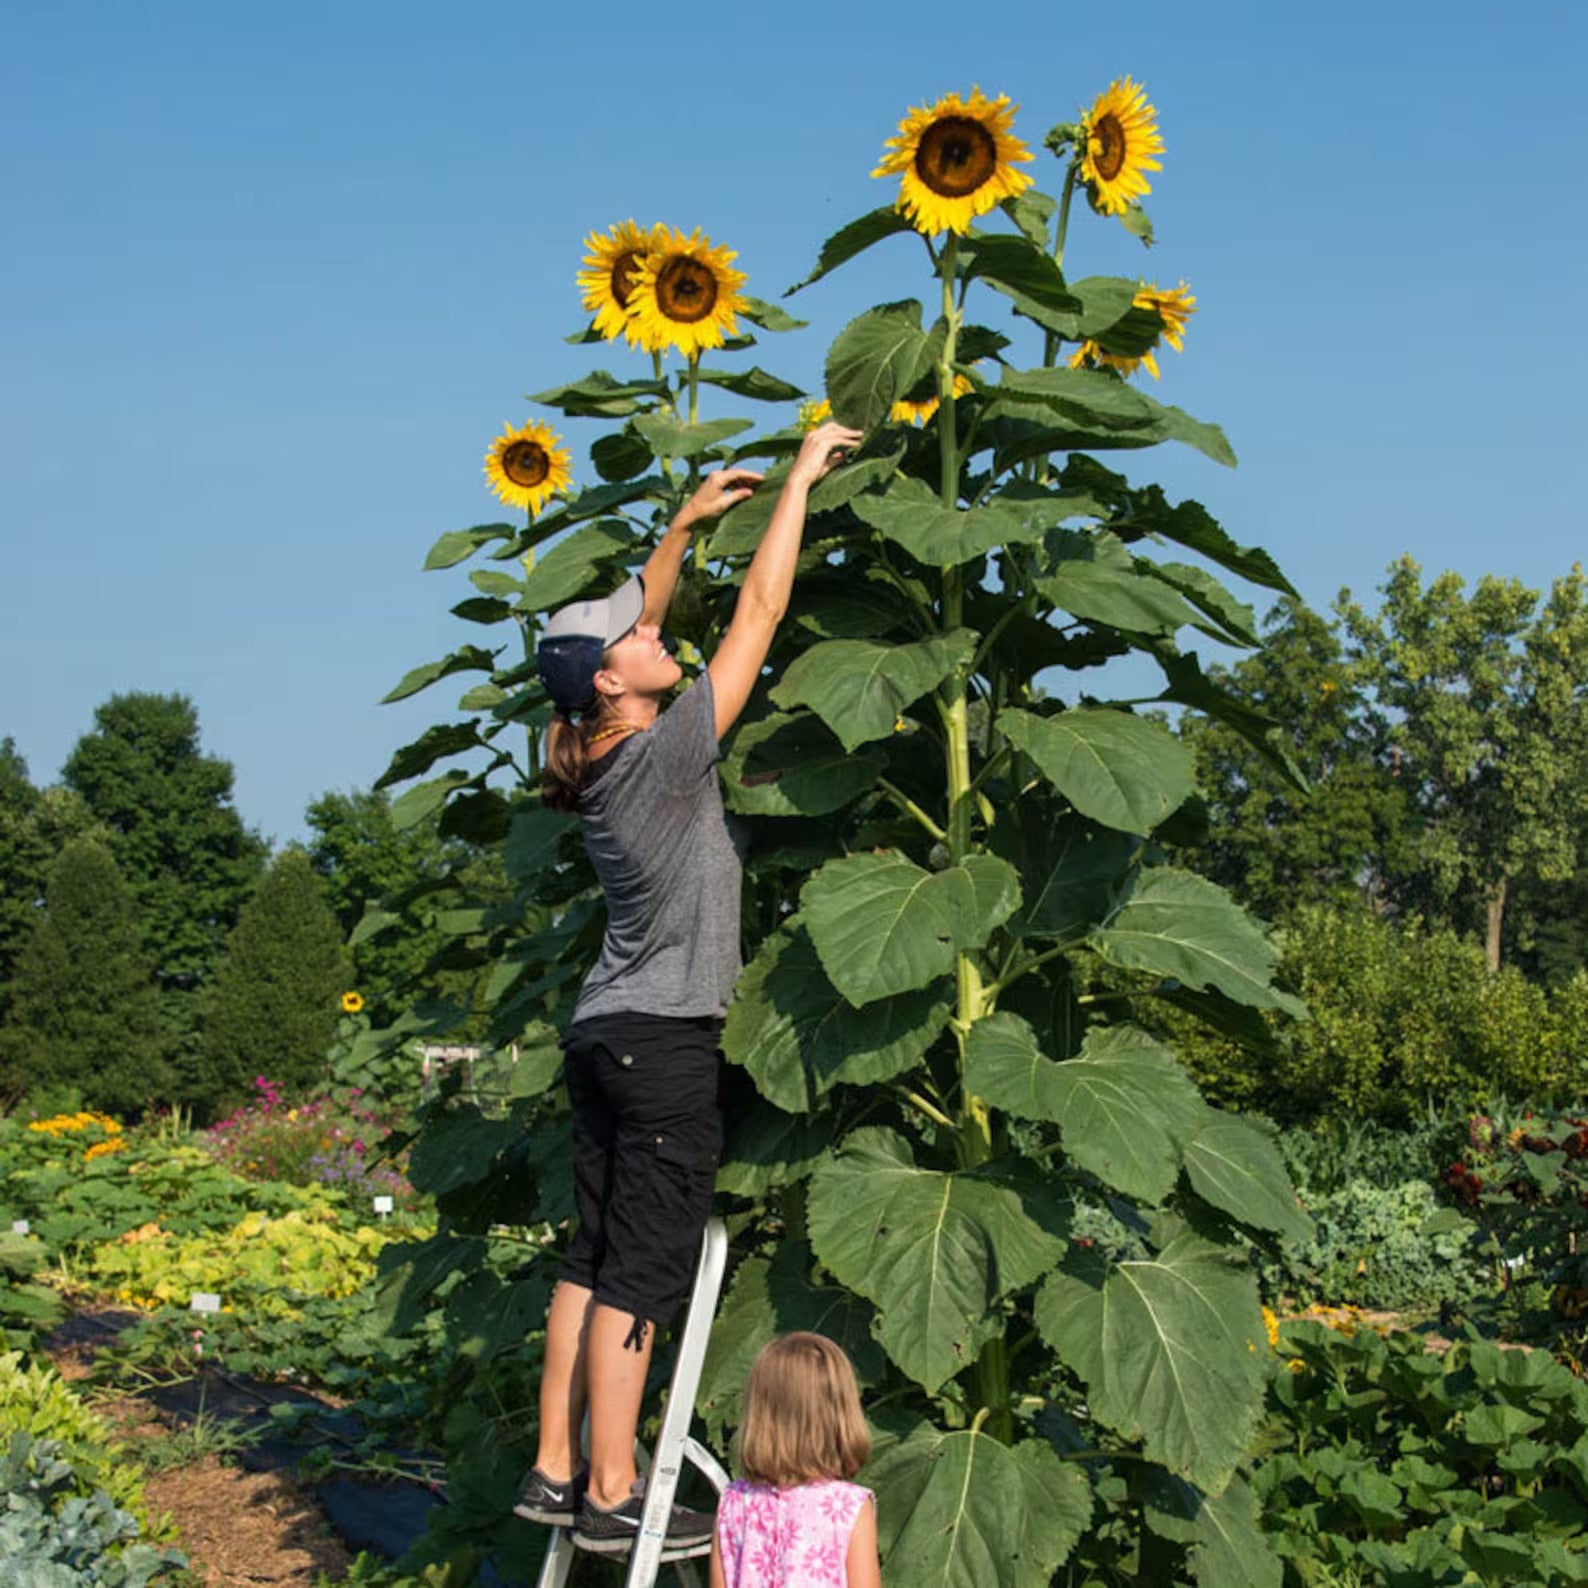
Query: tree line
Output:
(1417,816)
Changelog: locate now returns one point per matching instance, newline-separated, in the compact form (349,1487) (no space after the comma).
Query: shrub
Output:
(1398,1015)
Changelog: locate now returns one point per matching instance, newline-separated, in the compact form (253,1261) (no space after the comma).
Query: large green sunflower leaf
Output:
(1234,1163)
(1125,1106)
(1231,1549)
(588,504)
(1120,770)
(741,527)
(768,315)
(1171,1349)
(667,437)
(875,360)
(1231,621)
(855,238)
(1180,925)
(753,383)
(572,565)
(859,688)
(882,925)
(799,1037)
(444,739)
(1190,686)
(961,1510)
(466,659)
(458,544)
(786,765)
(1021,270)
(599,395)
(934,1251)
(1093,577)
(766,1148)
(1106,301)
(1071,869)
(769,1298)
(910,514)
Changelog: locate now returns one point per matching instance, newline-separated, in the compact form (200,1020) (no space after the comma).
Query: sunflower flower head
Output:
(811,414)
(1119,142)
(527,466)
(352,1003)
(1174,306)
(955,160)
(905,412)
(685,294)
(606,284)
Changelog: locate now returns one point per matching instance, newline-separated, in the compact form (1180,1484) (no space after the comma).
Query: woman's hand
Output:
(822,451)
(718,492)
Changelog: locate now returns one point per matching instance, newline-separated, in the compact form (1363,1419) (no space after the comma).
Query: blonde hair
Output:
(802,1418)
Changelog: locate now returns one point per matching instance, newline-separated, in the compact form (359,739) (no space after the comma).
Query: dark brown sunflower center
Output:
(1108,153)
(955,156)
(686,290)
(622,279)
(526,463)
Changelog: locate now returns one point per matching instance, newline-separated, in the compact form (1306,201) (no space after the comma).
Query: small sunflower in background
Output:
(685,294)
(1119,142)
(1173,305)
(352,1003)
(905,412)
(811,414)
(526,466)
(956,160)
(607,283)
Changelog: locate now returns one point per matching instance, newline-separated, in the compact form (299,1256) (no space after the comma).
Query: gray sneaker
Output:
(613,1532)
(554,1504)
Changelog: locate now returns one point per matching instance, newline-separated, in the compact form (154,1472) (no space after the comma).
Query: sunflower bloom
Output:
(607,283)
(1119,142)
(814,413)
(685,294)
(904,412)
(955,160)
(526,466)
(1173,305)
(352,1002)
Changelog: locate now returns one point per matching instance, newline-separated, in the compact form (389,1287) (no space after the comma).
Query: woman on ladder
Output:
(642,1051)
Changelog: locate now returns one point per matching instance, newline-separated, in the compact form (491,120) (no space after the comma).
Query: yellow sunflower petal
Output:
(606,284)
(685,294)
(527,466)
(955,160)
(1119,142)
(1173,305)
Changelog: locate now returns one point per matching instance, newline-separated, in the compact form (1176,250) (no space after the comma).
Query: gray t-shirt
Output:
(654,830)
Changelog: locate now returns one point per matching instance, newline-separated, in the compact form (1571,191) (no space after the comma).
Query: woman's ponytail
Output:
(566,760)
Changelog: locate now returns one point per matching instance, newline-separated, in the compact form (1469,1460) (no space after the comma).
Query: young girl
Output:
(795,1520)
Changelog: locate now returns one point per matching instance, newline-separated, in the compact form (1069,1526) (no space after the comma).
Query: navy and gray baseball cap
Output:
(570,649)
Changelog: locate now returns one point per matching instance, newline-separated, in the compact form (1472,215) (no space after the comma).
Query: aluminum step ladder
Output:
(674,1447)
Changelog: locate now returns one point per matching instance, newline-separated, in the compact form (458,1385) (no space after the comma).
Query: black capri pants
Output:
(647,1134)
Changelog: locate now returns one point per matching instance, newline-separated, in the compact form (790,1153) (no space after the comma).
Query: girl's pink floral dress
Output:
(787,1538)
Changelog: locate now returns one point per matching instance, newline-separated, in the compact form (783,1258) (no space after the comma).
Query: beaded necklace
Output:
(614,731)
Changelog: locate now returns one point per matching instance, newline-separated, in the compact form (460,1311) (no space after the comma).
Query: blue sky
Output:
(273,276)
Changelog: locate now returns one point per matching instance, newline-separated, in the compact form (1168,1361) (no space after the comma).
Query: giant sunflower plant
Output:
(955,1144)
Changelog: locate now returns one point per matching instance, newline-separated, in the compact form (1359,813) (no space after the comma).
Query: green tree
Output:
(85,1010)
(1485,698)
(1349,836)
(35,825)
(277,994)
(181,845)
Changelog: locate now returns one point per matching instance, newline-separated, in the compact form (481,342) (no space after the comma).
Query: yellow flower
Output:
(1271,1324)
(1174,306)
(352,1002)
(607,284)
(101,1148)
(812,414)
(908,413)
(526,466)
(955,161)
(1119,141)
(685,294)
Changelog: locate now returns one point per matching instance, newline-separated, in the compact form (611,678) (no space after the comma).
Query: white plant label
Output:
(19,1226)
(203,1301)
(383,1204)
